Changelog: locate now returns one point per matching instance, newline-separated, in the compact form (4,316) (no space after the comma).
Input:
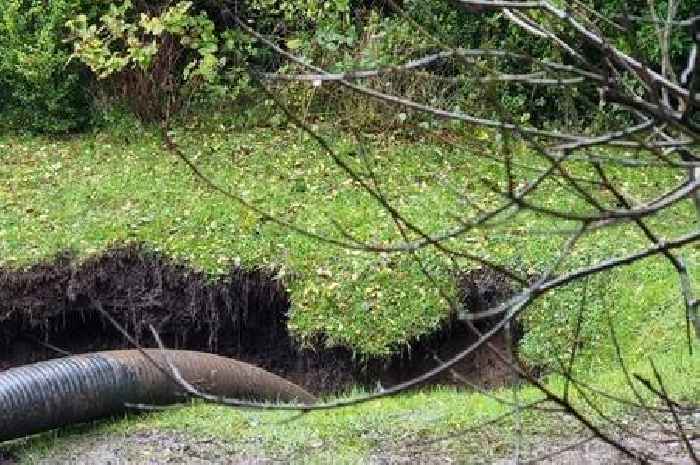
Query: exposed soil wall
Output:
(52,306)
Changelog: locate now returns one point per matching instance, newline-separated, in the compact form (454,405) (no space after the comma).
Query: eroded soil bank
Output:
(54,307)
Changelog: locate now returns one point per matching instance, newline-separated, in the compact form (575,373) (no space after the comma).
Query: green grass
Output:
(87,192)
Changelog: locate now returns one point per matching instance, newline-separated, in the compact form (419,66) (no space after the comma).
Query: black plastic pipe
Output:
(79,388)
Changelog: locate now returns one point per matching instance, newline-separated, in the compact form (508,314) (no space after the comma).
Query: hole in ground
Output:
(50,307)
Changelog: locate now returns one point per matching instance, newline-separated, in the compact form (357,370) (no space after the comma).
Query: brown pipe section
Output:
(79,388)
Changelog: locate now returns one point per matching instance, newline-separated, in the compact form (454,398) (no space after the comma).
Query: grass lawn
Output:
(87,192)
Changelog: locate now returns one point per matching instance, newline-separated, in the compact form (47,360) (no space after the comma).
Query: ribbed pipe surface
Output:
(55,393)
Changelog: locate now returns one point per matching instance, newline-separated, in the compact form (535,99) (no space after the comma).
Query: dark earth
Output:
(53,308)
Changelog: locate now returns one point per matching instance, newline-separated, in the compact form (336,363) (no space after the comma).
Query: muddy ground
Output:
(161,448)
(53,308)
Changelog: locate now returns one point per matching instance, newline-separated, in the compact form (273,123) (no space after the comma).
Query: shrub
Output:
(41,90)
(373,36)
(166,67)
(158,62)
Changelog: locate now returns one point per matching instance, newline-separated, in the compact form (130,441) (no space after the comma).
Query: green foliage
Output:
(302,12)
(161,56)
(39,89)
(376,37)
(119,43)
(172,55)
(642,40)
(164,55)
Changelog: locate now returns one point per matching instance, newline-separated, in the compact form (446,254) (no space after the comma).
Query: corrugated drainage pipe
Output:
(79,388)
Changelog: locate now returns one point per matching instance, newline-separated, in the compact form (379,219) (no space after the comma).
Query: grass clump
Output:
(85,193)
